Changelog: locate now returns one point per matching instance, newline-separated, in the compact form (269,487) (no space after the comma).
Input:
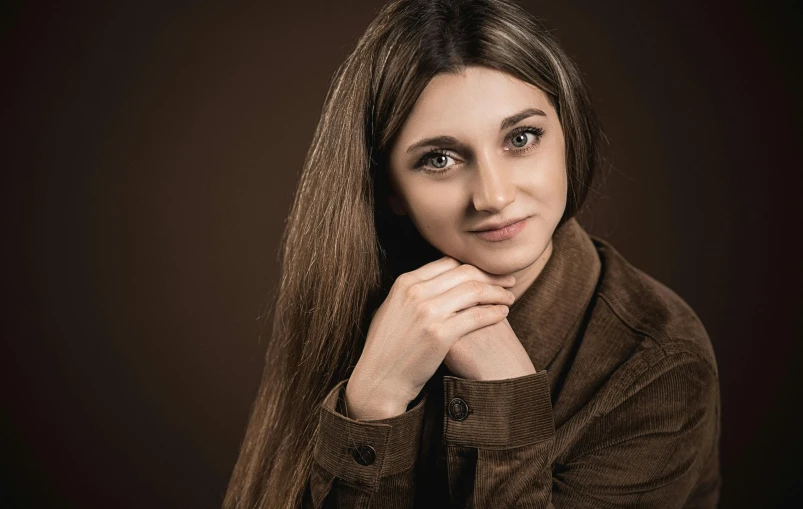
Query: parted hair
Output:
(342,247)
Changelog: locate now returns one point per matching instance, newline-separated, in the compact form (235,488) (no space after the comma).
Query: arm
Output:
(503,443)
(360,464)
(647,446)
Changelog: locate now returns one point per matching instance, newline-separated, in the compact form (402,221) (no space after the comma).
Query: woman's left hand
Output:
(490,353)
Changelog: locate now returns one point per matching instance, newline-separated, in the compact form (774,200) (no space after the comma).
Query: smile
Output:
(504,233)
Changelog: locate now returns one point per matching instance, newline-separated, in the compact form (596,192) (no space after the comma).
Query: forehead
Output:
(476,97)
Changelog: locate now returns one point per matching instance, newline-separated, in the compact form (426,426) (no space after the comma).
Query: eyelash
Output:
(537,132)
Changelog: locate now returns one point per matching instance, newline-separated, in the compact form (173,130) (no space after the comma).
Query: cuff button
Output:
(364,454)
(458,409)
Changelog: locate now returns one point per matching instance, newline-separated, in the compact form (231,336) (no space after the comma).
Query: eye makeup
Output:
(536,132)
(425,162)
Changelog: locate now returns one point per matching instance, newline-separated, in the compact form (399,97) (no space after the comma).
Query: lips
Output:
(498,226)
(507,231)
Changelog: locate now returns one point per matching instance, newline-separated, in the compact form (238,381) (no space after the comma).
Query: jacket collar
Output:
(550,310)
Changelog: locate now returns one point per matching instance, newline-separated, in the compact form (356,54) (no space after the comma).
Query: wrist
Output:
(366,405)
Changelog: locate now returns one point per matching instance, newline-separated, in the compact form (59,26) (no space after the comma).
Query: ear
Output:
(396,205)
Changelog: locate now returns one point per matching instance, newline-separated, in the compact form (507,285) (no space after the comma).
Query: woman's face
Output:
(482,149)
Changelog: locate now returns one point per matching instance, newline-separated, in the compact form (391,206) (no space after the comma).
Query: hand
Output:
(425,313)
(490,353)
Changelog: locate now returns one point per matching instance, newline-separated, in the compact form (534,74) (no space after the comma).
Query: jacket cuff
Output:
(497,414)
(361,452)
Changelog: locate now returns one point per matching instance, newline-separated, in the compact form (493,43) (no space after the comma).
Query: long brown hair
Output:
(342,247)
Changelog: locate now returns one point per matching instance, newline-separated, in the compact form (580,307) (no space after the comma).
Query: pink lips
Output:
(502,233)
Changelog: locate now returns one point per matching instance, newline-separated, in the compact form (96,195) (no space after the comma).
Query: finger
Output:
(473,318)
(468,294)
(433,269)
(459,275)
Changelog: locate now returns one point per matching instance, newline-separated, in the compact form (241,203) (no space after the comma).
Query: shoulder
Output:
(662,380)
(645,308)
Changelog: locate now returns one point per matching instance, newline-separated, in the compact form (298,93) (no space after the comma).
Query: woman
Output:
(446,333)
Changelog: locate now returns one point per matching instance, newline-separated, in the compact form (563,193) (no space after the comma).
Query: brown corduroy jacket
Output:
(623,410)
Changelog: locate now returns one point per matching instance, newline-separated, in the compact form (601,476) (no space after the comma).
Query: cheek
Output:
(554,182)
(434,208)
(548,181)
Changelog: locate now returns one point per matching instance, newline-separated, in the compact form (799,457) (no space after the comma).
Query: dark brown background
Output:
(149,158)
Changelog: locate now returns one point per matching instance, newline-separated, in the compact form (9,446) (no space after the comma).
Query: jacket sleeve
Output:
(361,464)
(647,445)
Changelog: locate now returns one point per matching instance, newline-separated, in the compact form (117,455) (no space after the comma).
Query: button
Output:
(364,454)
(458,409)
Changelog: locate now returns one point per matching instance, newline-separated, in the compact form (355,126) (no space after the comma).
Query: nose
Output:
(494,188)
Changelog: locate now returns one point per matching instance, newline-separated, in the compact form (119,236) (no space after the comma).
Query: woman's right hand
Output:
(425,312)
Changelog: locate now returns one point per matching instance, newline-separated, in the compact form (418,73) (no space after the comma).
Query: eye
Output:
(439,161)
(525,137)
(520,140)
(436,161)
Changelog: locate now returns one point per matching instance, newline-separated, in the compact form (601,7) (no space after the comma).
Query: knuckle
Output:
(474,287)
(413,292)
(468,270)
(404,280)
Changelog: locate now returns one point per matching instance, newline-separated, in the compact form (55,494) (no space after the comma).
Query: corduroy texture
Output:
(394,440)
(503,413)
(622,412)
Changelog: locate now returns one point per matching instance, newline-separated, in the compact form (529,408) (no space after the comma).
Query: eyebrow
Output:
(518,117)
(450,140)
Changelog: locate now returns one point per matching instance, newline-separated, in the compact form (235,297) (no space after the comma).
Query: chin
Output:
(503,263)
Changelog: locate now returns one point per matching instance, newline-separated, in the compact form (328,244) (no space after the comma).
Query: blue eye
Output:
(435,161)
(525,137)
(520,140)
(439,161)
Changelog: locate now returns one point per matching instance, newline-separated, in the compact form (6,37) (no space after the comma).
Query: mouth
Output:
(497,226)
(501,231)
